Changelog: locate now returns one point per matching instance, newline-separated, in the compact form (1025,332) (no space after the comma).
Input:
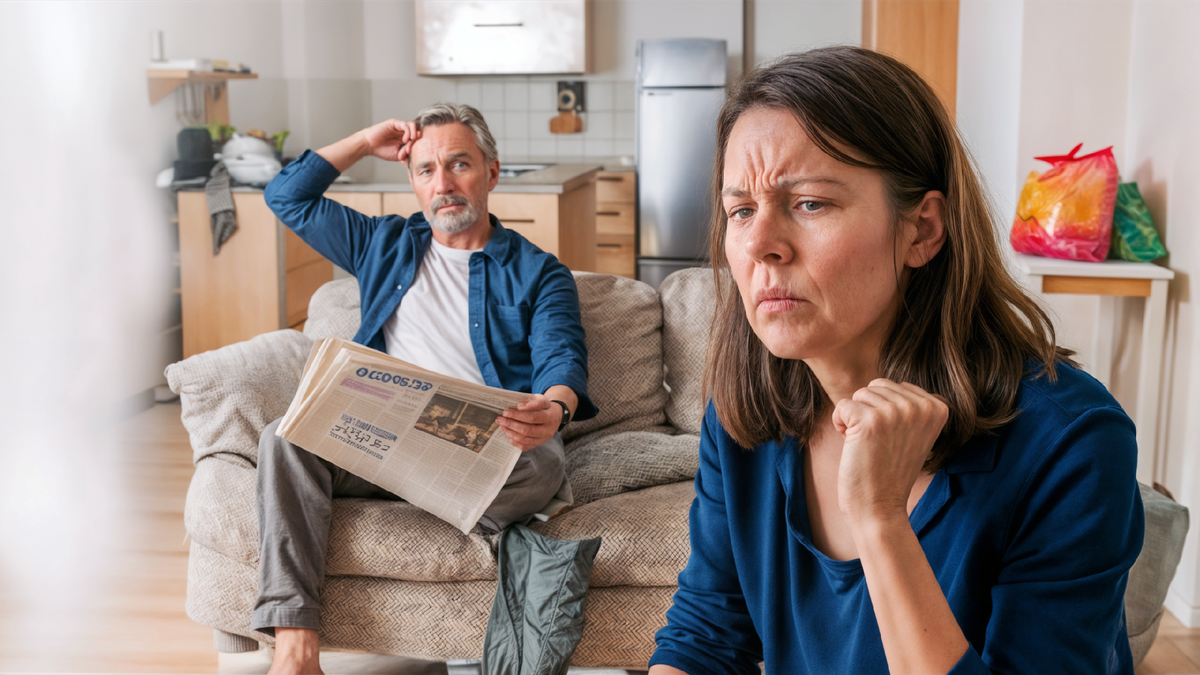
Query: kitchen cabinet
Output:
(260,281)
(468,37)
(616,206)
(563,224)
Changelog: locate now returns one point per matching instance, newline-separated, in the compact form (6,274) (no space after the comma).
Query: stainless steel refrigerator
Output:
(680,89)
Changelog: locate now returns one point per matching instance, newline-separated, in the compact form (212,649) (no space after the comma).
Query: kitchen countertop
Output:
(564,175)
(555,179)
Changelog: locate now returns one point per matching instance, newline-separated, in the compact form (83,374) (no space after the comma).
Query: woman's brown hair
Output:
(965,329)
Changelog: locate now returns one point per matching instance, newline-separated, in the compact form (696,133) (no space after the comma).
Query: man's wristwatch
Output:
(566,414)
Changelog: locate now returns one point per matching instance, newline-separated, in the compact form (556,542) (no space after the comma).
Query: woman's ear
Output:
(931,230)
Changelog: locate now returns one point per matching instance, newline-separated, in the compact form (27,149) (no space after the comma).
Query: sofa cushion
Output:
(622,320)
(688,300)
(1151,574)
(606,465)
(645,535)
(367,537)
(334,310)
(230,394)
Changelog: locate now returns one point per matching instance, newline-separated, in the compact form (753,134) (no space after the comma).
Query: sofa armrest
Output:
(1151,574)
(230,394)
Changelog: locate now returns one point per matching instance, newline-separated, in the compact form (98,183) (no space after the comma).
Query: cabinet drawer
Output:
(400,204)
(614,218)
(616,186)
(615,255)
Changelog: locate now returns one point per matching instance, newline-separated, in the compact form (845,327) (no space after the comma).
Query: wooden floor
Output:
(93,563)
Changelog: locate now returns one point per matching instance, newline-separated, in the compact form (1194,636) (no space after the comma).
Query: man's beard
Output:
(452,223)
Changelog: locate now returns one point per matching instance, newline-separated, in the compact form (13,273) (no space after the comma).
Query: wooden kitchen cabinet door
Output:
(921,33)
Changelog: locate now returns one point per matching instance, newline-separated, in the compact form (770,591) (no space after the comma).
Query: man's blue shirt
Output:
(1030,533)
(522,302)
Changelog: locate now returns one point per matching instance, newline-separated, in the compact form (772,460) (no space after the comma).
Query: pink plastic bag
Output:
(1067,212)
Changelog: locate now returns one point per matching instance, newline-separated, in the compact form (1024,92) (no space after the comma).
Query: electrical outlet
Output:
(571,97)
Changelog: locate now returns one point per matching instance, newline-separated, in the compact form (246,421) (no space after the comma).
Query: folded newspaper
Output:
(431,439)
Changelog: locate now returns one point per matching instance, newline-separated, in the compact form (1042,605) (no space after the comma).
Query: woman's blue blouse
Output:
(1030,532)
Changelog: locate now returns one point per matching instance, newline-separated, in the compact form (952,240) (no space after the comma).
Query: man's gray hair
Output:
(446,113)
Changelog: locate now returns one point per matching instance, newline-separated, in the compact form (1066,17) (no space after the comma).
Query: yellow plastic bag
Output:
(1067,212)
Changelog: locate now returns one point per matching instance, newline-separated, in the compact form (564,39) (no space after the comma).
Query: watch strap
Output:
(566,418)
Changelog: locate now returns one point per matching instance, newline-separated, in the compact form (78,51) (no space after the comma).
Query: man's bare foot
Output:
(297,652)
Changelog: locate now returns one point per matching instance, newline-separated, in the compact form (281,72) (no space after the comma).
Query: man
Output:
(449,289)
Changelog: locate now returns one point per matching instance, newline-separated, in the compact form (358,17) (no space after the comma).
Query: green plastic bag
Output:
(1134,237)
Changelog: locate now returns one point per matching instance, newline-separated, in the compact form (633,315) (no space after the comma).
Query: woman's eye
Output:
(811,206)
(741,214)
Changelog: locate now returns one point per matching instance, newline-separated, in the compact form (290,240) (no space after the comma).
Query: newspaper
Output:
(431,439)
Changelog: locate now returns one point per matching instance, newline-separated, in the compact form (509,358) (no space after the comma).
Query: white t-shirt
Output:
(431,327)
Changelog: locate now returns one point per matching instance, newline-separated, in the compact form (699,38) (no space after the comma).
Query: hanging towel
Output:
(220,206)
(537,616)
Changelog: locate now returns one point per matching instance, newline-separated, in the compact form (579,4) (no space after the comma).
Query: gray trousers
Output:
(295,503)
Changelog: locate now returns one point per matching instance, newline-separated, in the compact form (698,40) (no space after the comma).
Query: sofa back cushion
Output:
(334,310)
(622,320)
(230,394)
(688,300)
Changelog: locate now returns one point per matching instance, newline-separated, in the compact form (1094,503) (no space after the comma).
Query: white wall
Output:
(1161,150)
(784,26)
(1038,76)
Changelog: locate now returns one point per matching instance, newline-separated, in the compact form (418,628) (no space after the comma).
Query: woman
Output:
(900,471)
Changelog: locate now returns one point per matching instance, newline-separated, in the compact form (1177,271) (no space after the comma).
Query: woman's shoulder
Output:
(1064,394)
(1069,414)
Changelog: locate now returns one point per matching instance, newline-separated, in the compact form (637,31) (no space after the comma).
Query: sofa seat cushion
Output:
(645,535)
(230,394)
(437,621)
(367,537)
(605,465)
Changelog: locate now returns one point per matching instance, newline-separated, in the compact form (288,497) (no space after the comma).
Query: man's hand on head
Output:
(392,139)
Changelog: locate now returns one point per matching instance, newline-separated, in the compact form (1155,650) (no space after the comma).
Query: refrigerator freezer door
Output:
(688,62)
(676,145)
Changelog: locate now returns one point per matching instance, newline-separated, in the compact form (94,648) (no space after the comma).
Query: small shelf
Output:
(163,82)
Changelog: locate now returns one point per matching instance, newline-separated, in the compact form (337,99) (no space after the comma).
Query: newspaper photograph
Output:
(433,440)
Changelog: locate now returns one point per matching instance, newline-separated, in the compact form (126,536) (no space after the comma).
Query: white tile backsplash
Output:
(624,126)
(539,125)
(516,96)
(493,95)
(598,96)
(598,126)
(538,148)
(495,121)
(469,94)
(593,148)
(515,148)
(516,125)
(570,145)
(624,95)
(543,96)
(623,148)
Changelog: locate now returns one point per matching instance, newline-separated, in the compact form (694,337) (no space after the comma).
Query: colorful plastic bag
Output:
(1134,237)
(1067,212)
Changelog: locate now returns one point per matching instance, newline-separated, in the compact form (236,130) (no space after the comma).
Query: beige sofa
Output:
(400,581)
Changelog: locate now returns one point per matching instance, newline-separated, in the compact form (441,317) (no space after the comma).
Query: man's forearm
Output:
(346,152)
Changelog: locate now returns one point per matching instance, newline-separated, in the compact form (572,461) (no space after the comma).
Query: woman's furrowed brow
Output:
(785,185)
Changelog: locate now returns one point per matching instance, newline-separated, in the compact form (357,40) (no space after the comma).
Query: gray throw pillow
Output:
(633,460)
